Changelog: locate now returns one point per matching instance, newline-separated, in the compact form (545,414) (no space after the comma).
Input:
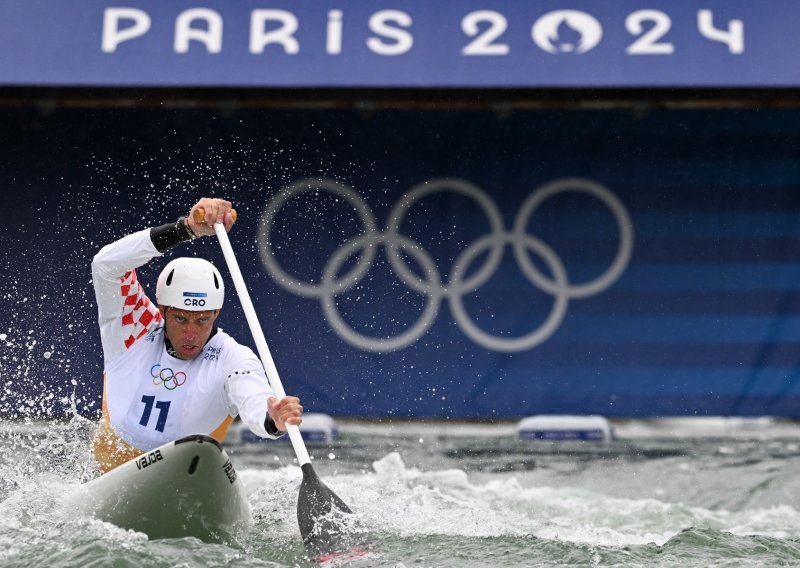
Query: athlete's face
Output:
(188,331)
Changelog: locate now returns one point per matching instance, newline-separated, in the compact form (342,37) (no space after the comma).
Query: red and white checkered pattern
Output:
(138,312)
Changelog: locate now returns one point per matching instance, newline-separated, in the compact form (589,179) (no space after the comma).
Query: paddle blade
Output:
(319,515)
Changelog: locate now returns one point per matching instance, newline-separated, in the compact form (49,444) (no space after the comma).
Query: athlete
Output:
(169,371)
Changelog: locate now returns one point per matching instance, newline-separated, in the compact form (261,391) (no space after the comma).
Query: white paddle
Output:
(321,535)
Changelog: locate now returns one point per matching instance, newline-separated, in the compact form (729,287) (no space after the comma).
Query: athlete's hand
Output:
(285,411)
(213,210)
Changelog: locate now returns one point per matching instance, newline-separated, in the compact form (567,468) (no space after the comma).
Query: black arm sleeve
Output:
(170,235)
(271,427)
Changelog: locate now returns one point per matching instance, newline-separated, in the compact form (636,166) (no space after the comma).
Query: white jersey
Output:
(149,396)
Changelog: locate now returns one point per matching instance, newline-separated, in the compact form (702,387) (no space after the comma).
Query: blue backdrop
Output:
(432,263)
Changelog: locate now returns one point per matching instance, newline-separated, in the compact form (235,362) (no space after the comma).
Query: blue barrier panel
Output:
(432,263)
(403,43)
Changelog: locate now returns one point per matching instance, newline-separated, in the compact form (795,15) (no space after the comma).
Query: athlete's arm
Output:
(124,311)
(248,392)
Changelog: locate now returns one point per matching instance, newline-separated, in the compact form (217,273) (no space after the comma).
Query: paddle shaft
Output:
(323,535)
(258,336)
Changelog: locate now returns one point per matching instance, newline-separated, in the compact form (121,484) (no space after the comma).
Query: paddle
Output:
(321,531)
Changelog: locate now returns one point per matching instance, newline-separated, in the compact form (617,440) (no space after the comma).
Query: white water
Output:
(432,497)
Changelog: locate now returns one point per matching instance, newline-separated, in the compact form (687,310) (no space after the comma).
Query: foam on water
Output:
(407,502)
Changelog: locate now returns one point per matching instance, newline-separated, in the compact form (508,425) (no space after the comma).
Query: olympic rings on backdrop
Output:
(167,377)
(459,284)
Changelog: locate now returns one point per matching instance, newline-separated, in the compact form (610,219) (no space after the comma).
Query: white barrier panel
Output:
(564,427)
(316,428)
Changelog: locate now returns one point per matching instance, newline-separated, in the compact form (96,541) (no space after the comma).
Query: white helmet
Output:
(190,284)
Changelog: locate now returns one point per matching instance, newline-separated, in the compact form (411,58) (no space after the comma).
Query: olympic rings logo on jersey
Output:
(557,284)
(167,377)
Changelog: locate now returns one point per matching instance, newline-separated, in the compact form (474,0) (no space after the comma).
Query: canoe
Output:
(186,488)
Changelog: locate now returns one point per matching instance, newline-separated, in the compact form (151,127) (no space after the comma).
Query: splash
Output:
(405,501)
